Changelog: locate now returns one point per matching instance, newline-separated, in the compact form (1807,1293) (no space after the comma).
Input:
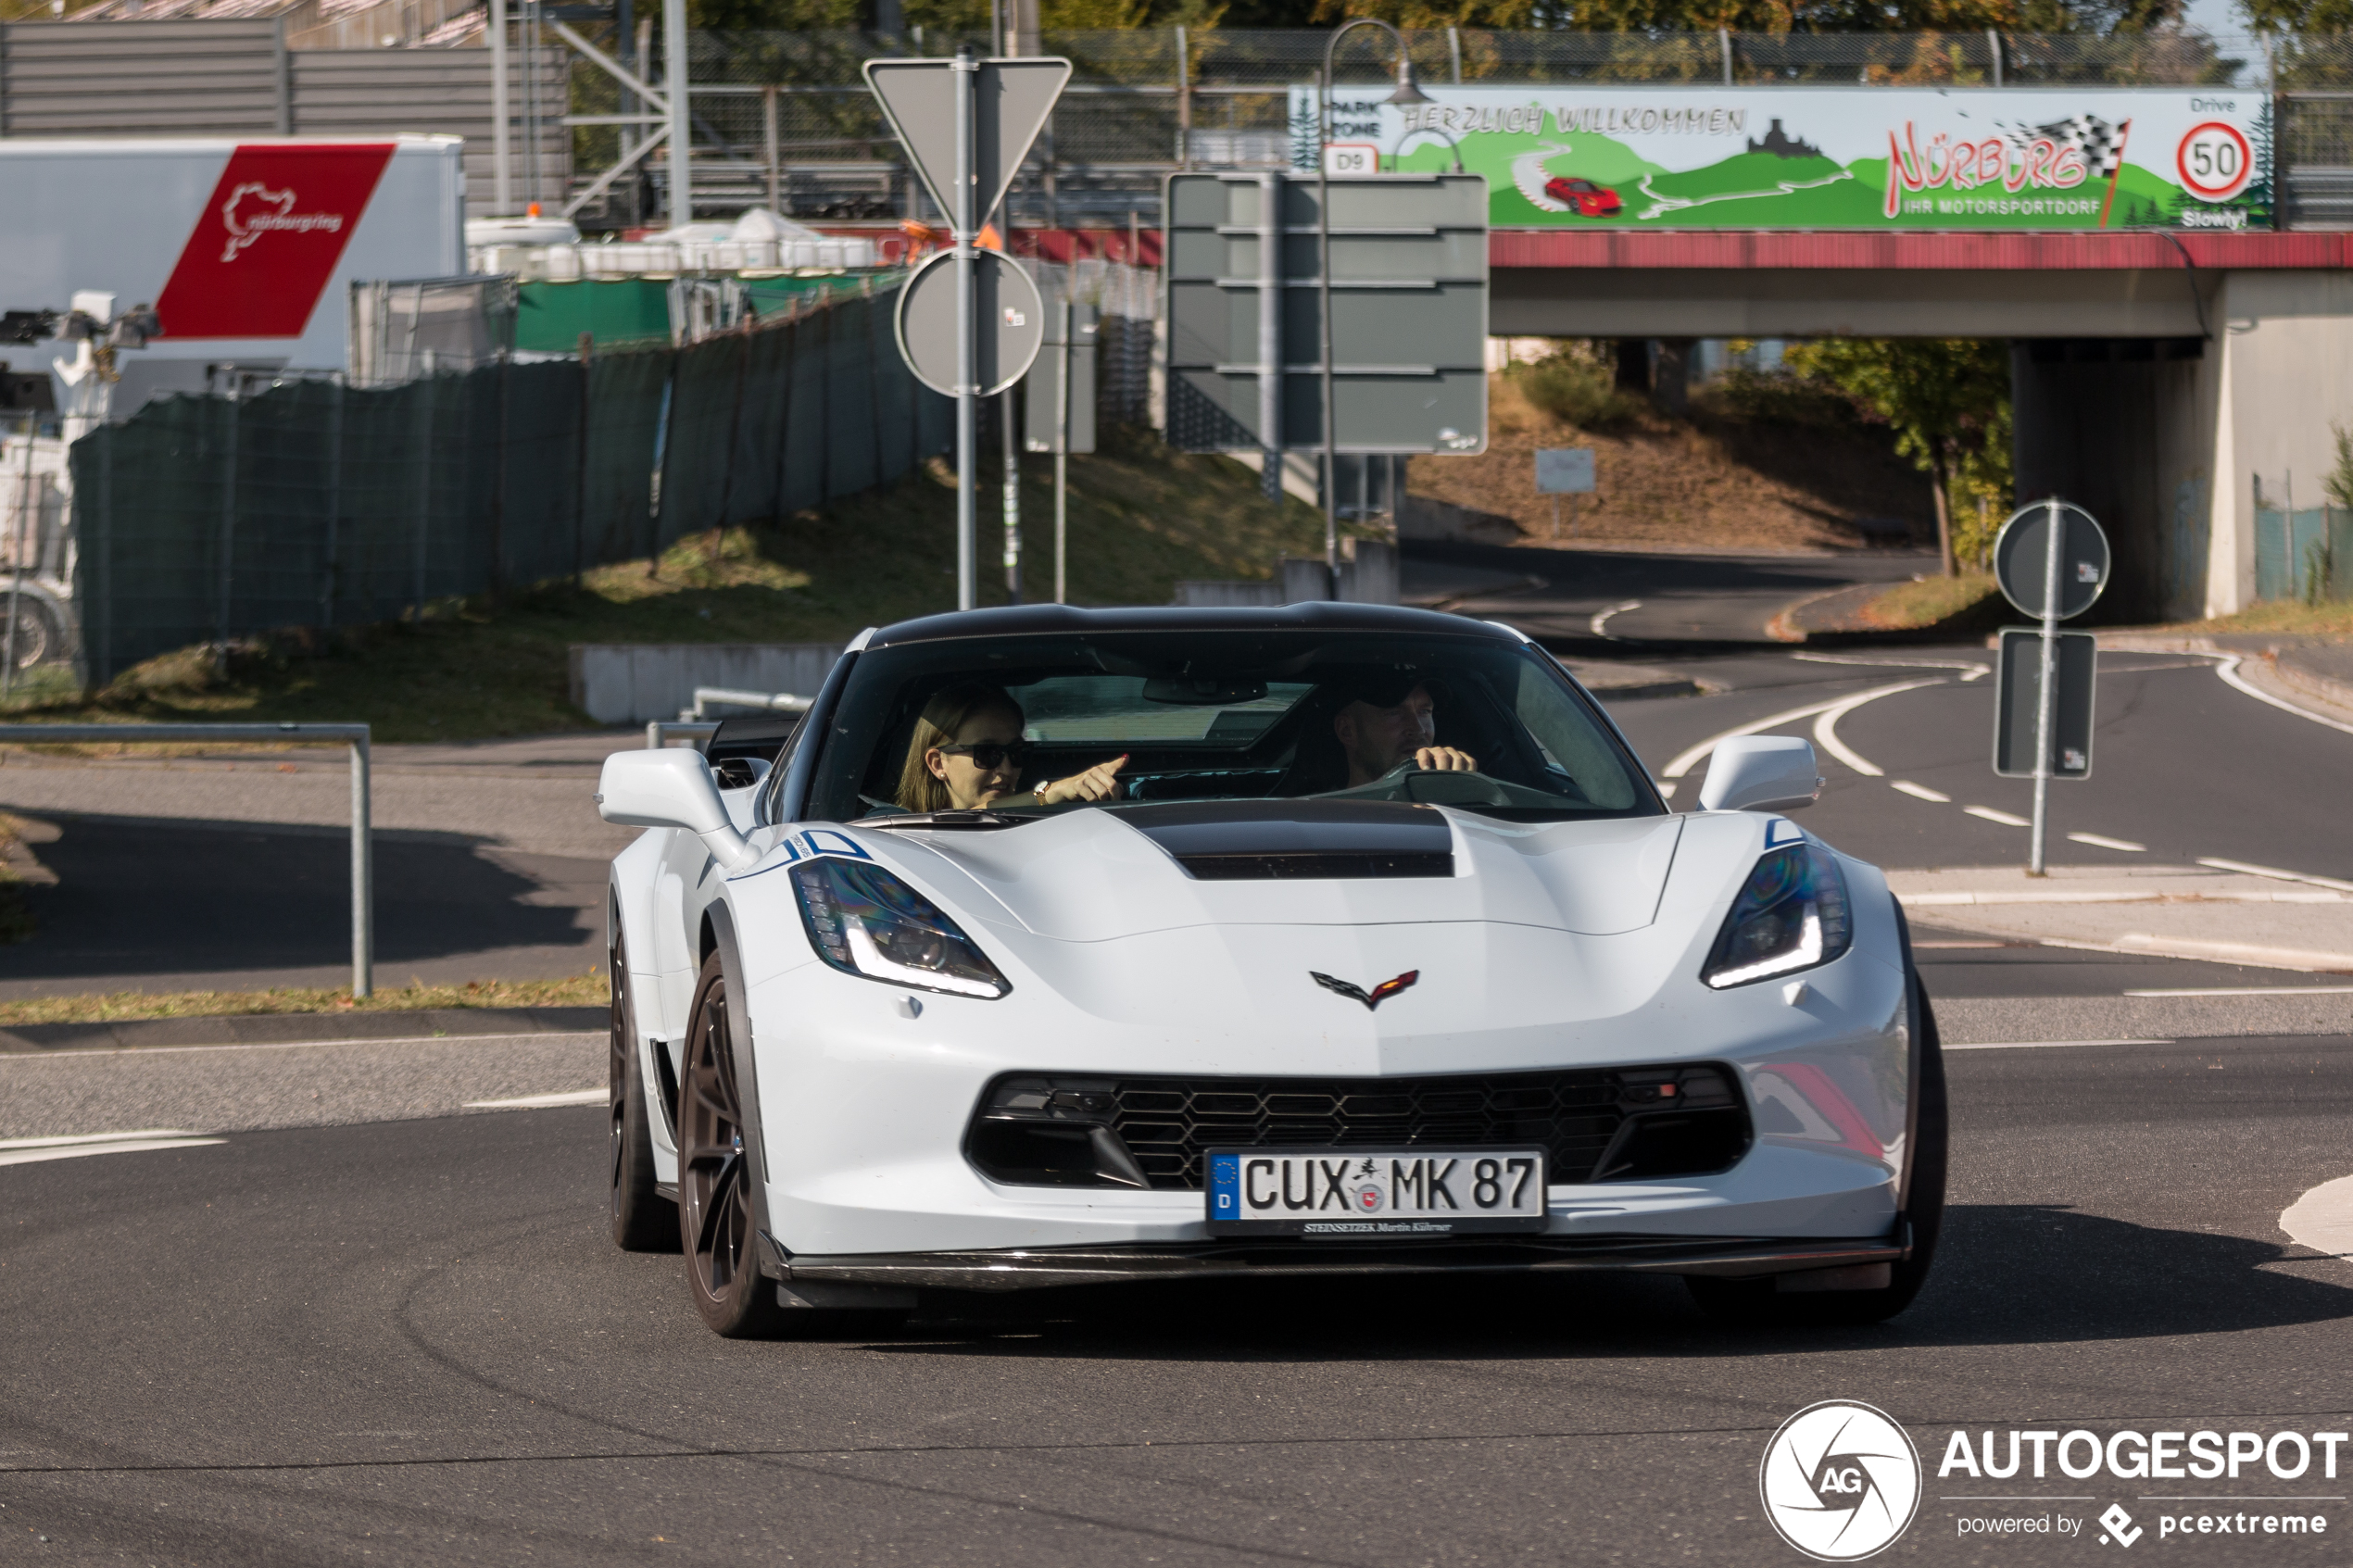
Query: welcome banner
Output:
(1835,158)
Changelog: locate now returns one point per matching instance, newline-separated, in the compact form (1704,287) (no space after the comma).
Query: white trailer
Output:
(245,249)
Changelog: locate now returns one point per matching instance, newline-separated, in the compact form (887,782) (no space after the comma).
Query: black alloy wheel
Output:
(640,1219)
(1759,1302)
(715,1175)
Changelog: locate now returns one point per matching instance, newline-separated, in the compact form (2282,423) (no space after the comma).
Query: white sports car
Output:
(1056,946)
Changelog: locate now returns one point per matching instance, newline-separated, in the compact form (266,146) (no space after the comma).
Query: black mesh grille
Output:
(1166,1122)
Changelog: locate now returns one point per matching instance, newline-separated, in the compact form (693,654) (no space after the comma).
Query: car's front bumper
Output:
(1031,1269)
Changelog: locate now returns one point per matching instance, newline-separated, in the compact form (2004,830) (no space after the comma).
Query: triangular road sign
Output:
(1011,101)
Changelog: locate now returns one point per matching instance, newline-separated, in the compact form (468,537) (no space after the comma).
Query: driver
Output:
(1390,721)
(966,756)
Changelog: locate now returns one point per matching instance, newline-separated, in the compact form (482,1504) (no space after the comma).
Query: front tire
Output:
(639,1218)
(715,1226)
(1760,1301)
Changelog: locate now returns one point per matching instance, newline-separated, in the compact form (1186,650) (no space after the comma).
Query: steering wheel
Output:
(1410,781)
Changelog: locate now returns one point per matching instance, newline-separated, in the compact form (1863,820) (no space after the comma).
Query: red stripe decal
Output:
(267,241)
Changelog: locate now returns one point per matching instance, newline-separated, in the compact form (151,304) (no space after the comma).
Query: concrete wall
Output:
(2286,379)
(625,682)
(2124,428)
(2168,442)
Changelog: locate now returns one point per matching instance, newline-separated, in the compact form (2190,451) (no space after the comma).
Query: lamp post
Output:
(1406,92)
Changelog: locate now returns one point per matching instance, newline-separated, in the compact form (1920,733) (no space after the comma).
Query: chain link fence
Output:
(317,504)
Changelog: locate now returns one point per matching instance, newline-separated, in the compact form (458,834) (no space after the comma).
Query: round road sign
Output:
(2214,160)
(2022,558)
(1011,322)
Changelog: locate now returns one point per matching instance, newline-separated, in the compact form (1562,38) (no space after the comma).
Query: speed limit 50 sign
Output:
(2215,160)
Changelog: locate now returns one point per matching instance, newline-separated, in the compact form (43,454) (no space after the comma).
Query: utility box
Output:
(1042,406)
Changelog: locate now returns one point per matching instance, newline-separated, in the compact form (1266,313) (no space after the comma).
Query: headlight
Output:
(863,920)
(1792,914)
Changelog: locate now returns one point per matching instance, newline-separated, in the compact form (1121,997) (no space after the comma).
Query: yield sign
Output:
(1011,101)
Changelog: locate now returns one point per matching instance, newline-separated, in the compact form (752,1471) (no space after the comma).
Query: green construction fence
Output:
(205,519)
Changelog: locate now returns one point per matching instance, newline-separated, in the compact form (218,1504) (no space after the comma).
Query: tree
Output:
(1946,399)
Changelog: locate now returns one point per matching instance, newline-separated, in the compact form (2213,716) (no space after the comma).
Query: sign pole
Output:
(965,71)
(1062,461)
(2047,699)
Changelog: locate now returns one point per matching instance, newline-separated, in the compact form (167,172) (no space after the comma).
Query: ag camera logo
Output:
(1840,1481)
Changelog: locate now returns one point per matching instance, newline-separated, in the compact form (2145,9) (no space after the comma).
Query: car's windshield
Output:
(1021,724)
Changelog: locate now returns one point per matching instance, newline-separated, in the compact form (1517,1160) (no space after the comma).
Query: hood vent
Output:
(1298,840)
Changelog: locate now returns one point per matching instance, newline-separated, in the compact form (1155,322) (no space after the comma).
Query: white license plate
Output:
(1354,1194)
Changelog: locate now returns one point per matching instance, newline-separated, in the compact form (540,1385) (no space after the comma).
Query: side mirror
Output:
(672,788)
(1760,774)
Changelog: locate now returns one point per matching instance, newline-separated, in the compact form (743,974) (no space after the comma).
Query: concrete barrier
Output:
(631,682)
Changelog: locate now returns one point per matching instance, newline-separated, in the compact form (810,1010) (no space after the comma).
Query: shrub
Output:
(1575,389)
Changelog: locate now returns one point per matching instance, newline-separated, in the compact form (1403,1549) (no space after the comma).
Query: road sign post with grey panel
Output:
(1564,471)
(2051,560)
(967,124)
(1409,313)
(2017,714)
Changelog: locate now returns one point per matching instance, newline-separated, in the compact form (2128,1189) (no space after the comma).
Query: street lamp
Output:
(1406,92)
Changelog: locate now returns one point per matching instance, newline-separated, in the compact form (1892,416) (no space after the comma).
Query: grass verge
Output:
(1140,518)
(2290,617)
(120,1007)
(1931,601)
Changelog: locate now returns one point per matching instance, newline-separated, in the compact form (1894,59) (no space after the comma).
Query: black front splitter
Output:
(1039,1268)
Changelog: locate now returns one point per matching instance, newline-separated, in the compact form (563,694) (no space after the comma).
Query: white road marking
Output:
(1688,759)
(1826,729)
(1920,792)
(315,1044)
(1969,671)
(30,1151)
(2004,818)
(2236,952)
(538,1102)
(96,1137)
(2099,840)
(2228,670)
(2323,1218)
(2252,991)
(2274,873)
(1600,623)
(2050,1044)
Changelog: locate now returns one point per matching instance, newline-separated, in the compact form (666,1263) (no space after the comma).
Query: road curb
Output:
(291,1028)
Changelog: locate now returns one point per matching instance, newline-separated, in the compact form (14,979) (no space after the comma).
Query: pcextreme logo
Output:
(1840,1481)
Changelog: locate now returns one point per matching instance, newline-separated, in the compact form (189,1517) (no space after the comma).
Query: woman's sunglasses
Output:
(987,755)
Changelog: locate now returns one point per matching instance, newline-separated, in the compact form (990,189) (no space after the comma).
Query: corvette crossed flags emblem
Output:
(1372,998)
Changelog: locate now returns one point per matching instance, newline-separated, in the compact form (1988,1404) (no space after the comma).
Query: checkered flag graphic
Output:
(2100,142)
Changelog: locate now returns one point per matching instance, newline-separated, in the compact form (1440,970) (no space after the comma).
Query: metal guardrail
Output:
(363,874)
(658,733)
(722,697)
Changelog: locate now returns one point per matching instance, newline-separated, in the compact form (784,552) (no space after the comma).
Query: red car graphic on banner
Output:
(1588,199)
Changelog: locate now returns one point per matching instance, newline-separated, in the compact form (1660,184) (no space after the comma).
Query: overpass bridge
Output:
(2172,383)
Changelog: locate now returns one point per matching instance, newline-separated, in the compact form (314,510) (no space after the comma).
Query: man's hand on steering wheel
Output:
(1442,759)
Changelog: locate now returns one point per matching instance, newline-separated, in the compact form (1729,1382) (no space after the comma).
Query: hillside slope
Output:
(1727,478)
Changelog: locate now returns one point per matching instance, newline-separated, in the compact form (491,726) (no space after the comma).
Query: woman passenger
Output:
(966,756)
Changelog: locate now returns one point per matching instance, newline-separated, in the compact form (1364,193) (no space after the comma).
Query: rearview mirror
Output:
(672,788)
(1760,774)
(1202,691)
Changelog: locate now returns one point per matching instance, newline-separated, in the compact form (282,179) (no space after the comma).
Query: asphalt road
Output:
(411,1343)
